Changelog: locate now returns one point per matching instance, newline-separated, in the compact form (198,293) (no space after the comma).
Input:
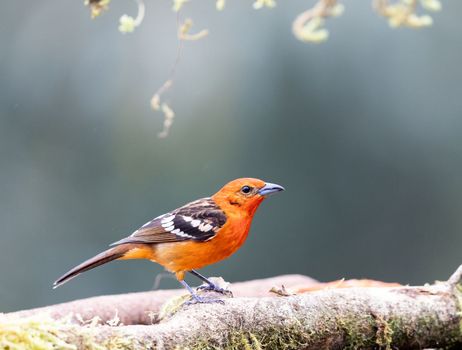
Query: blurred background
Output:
(364,131)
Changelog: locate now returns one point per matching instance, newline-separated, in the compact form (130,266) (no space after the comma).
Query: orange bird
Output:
(195,235)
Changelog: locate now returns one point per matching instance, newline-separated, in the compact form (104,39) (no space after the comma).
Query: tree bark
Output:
(356,318)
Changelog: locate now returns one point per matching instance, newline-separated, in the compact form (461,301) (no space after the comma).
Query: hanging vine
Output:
(309,26)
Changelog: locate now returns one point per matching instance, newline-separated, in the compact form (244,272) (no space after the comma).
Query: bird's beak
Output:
(269,188)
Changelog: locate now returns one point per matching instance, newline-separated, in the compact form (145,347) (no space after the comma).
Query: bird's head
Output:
(246,193)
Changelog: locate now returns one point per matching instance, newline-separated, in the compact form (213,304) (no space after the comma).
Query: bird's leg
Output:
(196,299)
(210,285)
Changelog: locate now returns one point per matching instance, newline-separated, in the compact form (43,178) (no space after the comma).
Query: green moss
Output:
(120,343)
(172,305)
(357,335)
(457,336)
(384,334)
(41,332)
(288,338)
(33,333)
(396,330)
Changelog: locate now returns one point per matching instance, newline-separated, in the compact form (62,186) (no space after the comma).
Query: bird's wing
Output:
(198,221)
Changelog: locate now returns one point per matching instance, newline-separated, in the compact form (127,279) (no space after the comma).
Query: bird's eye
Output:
(246,189)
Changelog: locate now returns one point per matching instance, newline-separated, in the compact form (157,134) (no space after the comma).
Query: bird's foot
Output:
(215,288)
(196,299)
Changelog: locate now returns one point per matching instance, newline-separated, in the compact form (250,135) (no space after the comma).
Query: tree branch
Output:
(360,318)
(134,308)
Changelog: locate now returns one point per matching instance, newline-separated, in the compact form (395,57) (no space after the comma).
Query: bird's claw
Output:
(215,288)
(196,299)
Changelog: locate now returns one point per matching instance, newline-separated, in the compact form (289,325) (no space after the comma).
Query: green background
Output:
(364,131)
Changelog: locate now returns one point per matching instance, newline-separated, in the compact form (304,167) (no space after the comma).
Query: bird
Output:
(192,236)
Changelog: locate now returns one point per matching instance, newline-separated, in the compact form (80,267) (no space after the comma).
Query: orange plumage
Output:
(197,234)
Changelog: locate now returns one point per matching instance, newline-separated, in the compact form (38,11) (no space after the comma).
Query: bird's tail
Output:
(124,251)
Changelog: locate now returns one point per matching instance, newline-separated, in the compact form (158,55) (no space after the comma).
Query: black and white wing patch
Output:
(198,221)
(188,227)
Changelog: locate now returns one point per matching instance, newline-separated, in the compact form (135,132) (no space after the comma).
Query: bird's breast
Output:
(188,255)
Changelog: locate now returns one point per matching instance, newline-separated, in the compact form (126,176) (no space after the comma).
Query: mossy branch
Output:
(358,318)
